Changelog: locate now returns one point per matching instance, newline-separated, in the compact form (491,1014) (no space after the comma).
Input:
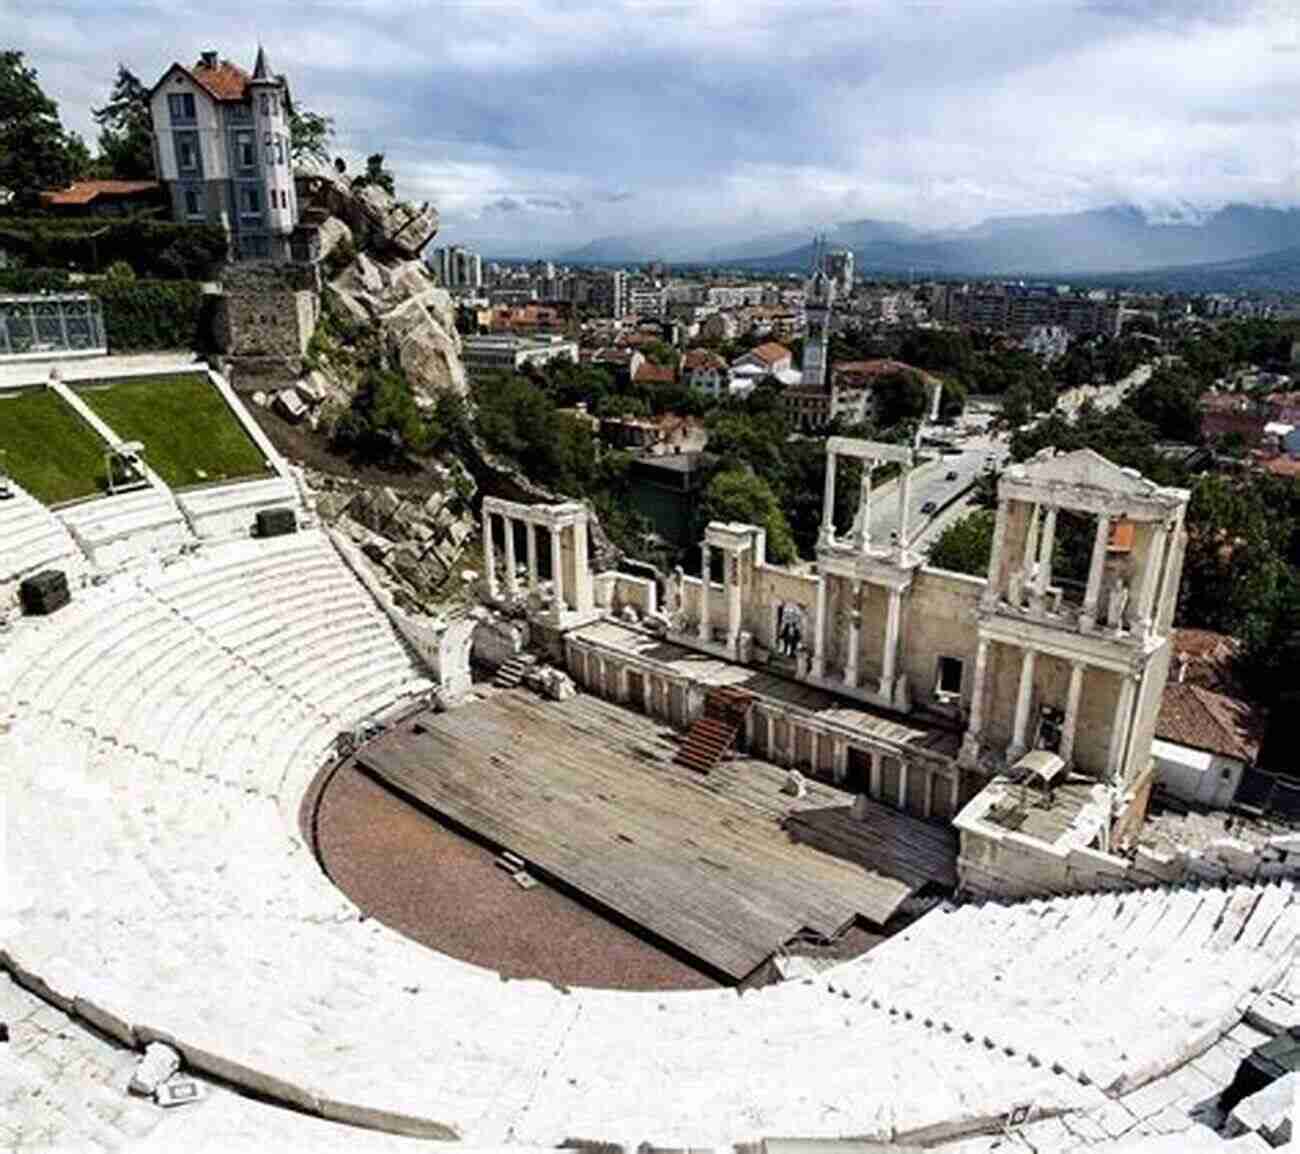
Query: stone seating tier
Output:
(157,738)
(33,539)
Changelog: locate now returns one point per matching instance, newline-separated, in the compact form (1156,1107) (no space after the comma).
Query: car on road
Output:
(928,508)
(952,475)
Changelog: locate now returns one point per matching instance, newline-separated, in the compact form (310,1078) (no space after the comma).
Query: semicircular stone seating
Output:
(32,538)
(156,740)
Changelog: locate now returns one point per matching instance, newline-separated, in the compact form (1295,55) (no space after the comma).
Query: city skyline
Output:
(533,127)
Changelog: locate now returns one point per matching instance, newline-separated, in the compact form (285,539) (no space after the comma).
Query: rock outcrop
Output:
(379,222)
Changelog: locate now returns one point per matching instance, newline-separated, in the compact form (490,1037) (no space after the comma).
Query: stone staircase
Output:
(510,673)
(715,731)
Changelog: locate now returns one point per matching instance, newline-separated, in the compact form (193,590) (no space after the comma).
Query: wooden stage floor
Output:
(585,791)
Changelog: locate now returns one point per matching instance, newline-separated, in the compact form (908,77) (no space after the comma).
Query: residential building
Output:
(837,263)
(719,327)
(768,357)
(1204,743)
(458,268)
(704,370)
(221,139)
(107,198)
(608,292)
(1019,309)
(509,353)
(650,375)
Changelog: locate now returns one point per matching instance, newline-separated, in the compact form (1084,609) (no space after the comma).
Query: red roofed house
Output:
(768,357)
(104,198)
(704,370)
(222,147)
(1204,741)
(652,375)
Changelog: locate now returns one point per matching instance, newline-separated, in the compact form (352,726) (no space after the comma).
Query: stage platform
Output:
(586,792)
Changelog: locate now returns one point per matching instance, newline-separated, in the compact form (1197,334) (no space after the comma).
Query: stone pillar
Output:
(1020,730)
(1071,712)
(557,570)
(1120,732)
(904,496)
(862,529)
(731,563)
(512,578)
(1044,575)
(877,772)
(927,807)
(902,784)
(1151,578)
(956,792)
(889,666)
(839,759)
(706,560)
(827,534)
(1096,565)
(854,641)
(970,745)
(1031,550)
(749,728)
(583,595)
(993,592)
(532,556)
(1167,601)
(489,556)
(648,693)
(819,629)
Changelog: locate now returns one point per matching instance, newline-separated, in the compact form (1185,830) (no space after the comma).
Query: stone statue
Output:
(795,786)
(1116,604)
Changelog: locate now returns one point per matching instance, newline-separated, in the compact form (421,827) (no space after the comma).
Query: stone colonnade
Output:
(566,526)
(733,541)
(778,734)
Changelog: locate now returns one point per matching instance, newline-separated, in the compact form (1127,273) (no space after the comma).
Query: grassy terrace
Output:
(48,449)
(190,435)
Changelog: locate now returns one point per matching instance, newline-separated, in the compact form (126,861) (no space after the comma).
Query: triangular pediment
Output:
(1086,468)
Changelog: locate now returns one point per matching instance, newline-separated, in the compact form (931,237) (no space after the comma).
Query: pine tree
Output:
(35,152)
(126,129)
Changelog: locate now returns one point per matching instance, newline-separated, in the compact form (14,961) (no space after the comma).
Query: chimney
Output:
(208,58)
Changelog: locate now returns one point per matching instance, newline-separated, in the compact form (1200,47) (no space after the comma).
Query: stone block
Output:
(159,1063)
(1274,1013)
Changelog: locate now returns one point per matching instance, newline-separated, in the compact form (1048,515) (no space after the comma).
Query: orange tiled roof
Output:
(1282,467)
(226,81)
(770,352)
(648,373)
(84,191)
(1202,719)
(877,367)
(703,359)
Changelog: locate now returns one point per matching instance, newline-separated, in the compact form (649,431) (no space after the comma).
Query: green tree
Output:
(740,495)
(1170,400)
(126,129)
(35,152)
(310,134)
(383,421)
(965,545)
(375,173)
(900,396)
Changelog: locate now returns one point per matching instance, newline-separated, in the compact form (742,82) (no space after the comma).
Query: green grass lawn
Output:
(49,450)
(190,435)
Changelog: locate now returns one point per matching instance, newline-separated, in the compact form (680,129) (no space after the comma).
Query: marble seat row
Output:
(32,539)
(124,527)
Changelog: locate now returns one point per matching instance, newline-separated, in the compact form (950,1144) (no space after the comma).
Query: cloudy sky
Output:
(538,124)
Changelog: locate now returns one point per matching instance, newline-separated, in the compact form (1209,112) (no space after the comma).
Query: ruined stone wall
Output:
(773,586)
(266,318)
(939,620)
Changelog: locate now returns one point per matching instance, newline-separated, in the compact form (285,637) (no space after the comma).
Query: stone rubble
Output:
(159,1063)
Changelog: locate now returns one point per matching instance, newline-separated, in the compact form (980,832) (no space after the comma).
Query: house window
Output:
(266,105)
(181,106)
(279,150)
(949,681)
(187,153)
(193,203)
(284,199)
(250,204)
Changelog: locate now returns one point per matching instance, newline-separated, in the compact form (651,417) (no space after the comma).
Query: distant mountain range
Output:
(1239,244)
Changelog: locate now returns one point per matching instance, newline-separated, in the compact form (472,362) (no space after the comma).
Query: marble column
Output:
(512,575)
(893,631)
(1167,601)
(839,759)
(1071,723)
(1151,570)
(1120,731)
(706,563)
(827,533)
(875,785)
(1024,695)
(583,595)
(557,570)
(970,746)
(819,629)
(862,529)
(1043,577)
(489,556)
(994,591)
(1031,550)
(1096,566)
(904,497)
(731,561)
(532,556)
(854,639)
(928,806)
(902,784)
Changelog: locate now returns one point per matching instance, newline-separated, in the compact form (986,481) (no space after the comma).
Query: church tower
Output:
(819,295)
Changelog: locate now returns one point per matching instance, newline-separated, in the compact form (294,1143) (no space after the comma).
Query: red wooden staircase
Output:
(714,731)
